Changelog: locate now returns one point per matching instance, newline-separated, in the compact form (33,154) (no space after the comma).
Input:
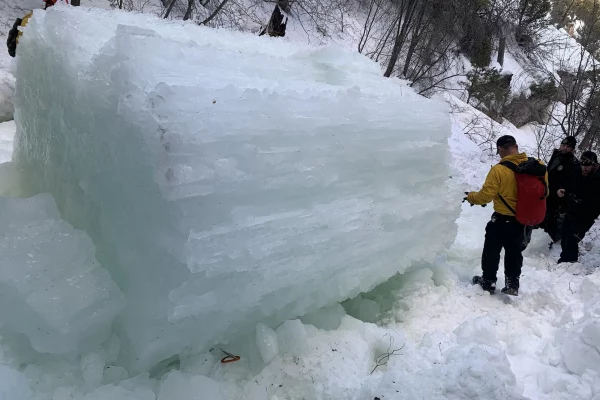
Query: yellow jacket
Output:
(500,180)
(23,23)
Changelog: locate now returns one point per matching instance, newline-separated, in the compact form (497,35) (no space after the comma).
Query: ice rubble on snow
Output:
(226,179)
(266,341)
(53,289)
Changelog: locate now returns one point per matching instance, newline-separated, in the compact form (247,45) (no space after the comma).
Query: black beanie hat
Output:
(588,156)
(506,140)
(570,141)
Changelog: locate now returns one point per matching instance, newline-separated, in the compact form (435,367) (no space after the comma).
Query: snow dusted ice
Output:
(226,179)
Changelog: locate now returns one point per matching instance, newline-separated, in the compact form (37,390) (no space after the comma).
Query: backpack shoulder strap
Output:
(513,168)
(512,210)
(509,165)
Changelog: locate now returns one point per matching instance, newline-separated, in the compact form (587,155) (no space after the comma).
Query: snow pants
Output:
(503,232)
(573,233)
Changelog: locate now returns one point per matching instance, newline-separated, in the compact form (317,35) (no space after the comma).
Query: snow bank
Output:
(581,343)
(227,179)
(53,290)
(7,90)
(7,133)
(468,365)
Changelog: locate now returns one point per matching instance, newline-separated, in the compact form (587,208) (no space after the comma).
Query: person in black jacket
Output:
(583,205)
(561,169)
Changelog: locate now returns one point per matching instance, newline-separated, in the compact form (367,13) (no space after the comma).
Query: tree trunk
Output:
(501,49)
(76,3)
(188,12)
(214,14)
(405,17)
(565,15)
(395,53)
(168,9)
(416,37)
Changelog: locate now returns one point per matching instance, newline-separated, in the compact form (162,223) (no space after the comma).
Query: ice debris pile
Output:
(62,303)
(226,179)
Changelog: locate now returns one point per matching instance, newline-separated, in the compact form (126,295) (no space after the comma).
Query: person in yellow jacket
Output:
(15,34)
(503,231)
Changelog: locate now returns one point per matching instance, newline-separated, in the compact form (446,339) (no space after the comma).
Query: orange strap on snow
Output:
(229,358)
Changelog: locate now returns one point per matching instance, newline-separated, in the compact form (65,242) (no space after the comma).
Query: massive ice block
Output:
(226,178)
(53,290)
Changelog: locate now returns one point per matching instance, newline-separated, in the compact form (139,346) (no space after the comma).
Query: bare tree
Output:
(414,39)
(579,84)
(215,12)
(132,5)
(409,14)
(480,129)
(169,9)
(188,11)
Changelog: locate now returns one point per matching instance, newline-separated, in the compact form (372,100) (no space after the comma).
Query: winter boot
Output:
(511,286)
(486,284)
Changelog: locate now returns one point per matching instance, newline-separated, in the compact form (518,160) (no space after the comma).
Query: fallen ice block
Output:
(52,288)
(227,179)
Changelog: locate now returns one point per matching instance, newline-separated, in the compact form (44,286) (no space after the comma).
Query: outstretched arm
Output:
(489,191)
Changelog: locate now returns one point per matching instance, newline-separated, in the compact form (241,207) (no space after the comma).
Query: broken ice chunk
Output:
(53,289)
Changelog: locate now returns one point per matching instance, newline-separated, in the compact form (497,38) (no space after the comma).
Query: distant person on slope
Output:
(507,227)
(14,34)
(583,205)
(561,169)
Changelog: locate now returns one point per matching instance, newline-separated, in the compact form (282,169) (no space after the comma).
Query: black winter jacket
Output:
(584,199)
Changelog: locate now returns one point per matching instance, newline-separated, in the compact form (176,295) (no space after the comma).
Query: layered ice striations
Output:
(227,179)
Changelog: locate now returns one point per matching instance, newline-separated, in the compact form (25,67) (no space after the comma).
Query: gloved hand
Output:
(467,200)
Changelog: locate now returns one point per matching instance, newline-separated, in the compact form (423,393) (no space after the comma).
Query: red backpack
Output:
(531,191)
